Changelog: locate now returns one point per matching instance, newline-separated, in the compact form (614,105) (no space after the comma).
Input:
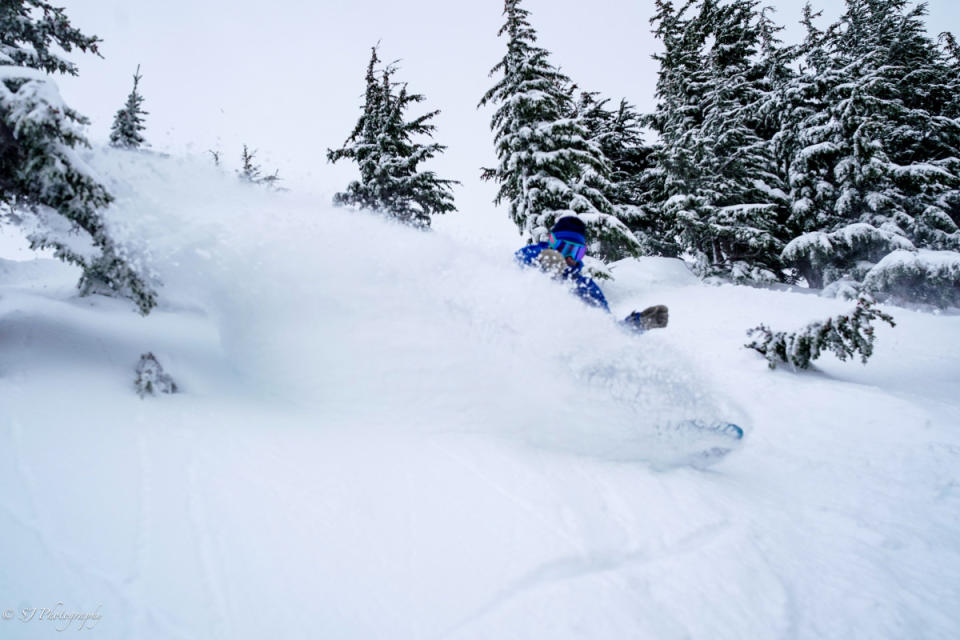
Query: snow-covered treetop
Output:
(128,124)
(30,28)
(384,144)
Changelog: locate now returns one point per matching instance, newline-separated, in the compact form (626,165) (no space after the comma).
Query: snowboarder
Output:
(562,257)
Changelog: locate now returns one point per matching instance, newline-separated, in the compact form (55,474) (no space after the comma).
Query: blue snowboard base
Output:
(724,429)
(702,443)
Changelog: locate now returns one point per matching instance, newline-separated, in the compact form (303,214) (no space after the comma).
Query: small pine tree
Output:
(383,146)
(128,126)
(548,166)
(251,172)
(844,335)
(43,182)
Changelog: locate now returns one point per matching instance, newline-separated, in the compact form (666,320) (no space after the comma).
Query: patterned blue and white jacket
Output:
(584,287)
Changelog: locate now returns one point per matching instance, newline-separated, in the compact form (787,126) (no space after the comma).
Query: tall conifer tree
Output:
(617,133)
(548,167)
(724,197)
(802,144)
(383,146)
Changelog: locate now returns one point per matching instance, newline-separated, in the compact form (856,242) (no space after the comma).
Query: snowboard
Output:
(703,443)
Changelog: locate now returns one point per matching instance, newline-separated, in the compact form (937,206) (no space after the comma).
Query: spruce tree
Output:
(724,197)
(363,145)
(950,45)
(44,184)
(617,134)
(745,232)
(802,145)
(676,118)
(879,164)
(548,167)
(128,126)
(384,147)
(951,50)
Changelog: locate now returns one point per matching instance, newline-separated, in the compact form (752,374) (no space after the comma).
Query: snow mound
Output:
(22,272)
(638,273)
(919,276)
(635,275)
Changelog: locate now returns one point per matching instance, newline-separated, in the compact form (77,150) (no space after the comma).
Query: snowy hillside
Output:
(384,433)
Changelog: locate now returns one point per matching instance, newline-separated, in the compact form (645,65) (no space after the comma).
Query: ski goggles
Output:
(568,249)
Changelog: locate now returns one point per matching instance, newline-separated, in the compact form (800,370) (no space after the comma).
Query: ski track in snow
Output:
(394,434)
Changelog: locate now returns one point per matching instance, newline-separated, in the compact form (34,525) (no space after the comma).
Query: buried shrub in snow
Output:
(251,172)
(844,335)
(846,254)
(151,378)
(928,277)
(887,266)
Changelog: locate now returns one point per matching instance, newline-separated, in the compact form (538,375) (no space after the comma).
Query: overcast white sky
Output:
(286,77)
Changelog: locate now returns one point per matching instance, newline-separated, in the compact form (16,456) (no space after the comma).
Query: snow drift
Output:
(345,311)
(389,433)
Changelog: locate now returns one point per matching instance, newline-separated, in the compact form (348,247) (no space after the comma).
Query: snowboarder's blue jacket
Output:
(584,287)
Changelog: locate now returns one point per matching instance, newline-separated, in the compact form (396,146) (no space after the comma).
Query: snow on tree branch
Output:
(845,335)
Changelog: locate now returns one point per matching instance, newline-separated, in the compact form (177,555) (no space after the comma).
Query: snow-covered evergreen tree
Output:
(878,164)
(617,133)
(383,144)
(362,145)
(949,42)
(548,167)
(724,197)
(414,194)
(44,184)
(845,335)
(678,115)
(802,146)
(749,193)
(128,124)
(951,50)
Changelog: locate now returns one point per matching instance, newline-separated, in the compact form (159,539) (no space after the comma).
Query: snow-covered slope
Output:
(390,434)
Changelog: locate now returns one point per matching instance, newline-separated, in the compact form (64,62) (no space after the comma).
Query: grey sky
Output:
(288,80)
